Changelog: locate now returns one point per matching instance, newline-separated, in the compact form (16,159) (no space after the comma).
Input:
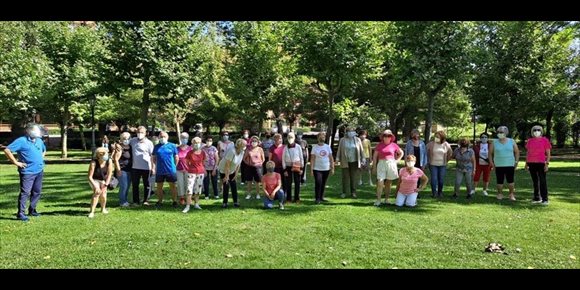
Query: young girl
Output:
(407,190)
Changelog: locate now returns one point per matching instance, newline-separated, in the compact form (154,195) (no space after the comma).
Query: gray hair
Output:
(537,127)
(503,128)
(185,135)
(31,126)
(141,128)
(125,135)
(415,131)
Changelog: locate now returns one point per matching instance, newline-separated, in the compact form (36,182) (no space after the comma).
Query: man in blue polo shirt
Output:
(165,158)
(30,163)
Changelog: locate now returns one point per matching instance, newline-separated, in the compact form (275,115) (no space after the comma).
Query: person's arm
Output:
(262,155)
(398,185)
(548,156)
(375,161)
(153,164)
(491,164)
(474,164)
(338,151)
(278,186)
(301,154)
(13,159)
(516,153)
(227,170)
(424,180)
(217,161)
(331,164)
(400,154)
(312,163)
(428,152)
(449,151)
(94,184)
(109,174)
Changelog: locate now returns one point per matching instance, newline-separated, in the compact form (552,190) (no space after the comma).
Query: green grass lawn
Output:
(344,233)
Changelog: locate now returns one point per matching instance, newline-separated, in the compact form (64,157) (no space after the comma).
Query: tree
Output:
(337,56)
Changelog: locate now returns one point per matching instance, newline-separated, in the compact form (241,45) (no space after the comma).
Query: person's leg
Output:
(458,180)
(535,180)
(434,179)
(500,175)
(135,176)
(323,183)
(26,183)
(124,181)
(197,189)
(477,176)
(206,183)
(354,177)
(441,179)
(36,192)
(103,201)
(258,180)
(145,175)
(400,199)
(287,183)
(486,176)
(317,183)
(280,196)
(388,184)
(411,200)
(469,182)
(543,183)
(234,187)
(159,187)
(214,183)
(225,190)
(510,180)
(345,181)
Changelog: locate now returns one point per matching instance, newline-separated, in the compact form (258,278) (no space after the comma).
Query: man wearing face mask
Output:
(30,164)
(537,161)
(292,163)
(350,155)
(141,149)
(165,158)
(504,156)
(481,150)
(304,146)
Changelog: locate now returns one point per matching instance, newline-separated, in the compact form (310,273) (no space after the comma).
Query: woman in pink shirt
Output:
(407,190)
(195,160)
(537,161)
(272,182)
(387,155)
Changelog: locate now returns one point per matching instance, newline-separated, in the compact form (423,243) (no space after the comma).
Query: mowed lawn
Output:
(343,233)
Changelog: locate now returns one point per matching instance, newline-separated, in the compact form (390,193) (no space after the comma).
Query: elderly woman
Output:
(481,150)
(321,165)
(387,155)
(100,174)
(254,160)
(439,152)
(182,167)
(195,160)
(292,163)
(272,186)
(229,167)
(350,155)
(504,155)
(465,167)
(409,177)
(537,161)
(212,159)
(122,156)
(416,147)
(367,152)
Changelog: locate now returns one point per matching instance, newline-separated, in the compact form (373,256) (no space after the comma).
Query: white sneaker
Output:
(343,195)
(248,196)
(360,183)
(536,201)
(472,192)
(186,209)
(91,215)
(217,197)
(545,202)
(257,196)
(207,197)
(282,206)
(377,203)
(105,211)
(485,192)
(196,206)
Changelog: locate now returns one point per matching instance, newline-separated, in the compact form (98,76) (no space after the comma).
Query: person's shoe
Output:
(324,200)
(22,217)
(182,200)
(257,196)
(454,195)
(545,202)
(536,201)
(248,196)
(91,215)
(217,197)
(186,209)
(236,204)
(469,196)
(343,195)
(500,196)
(158,205)
(472,192)
(485,192)
(354,195)
(317,201)
(196,206)
(34,214)
(105,211)
(377,203)
(146,203)
(225,205)
(126,204)
(174,204)
(207,197)
(282,206)
(512,197)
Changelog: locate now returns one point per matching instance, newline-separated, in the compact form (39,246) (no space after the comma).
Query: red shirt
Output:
(277,153)
(196,162)
(271,181)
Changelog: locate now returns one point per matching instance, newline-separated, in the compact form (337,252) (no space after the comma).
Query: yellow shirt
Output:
(367,148)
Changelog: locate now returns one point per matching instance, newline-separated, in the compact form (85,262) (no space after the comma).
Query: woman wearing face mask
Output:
(224,144)
(254,159)
(367,152)
(100,173)
(481,150)
(504,155)
(438,153)
(105,143)
(272,186)
(211,161)
(537,161)
(245,167)
(123,163)
(350,155)
(415,146)
(409,176)
(195,160)
(182,166)
(465,167)
(387,155)
(304,144)
(293,162)
(321,164)
(229,167)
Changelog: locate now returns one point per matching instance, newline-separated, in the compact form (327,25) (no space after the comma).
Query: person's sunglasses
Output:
(537,130)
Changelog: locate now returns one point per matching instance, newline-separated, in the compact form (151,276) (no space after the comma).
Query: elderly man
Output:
(30,163)
(165,159)
(141,149)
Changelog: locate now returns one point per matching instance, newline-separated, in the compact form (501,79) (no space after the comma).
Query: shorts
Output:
(387,170)
(254,173)
(194,183)
(505,172)
(166,177)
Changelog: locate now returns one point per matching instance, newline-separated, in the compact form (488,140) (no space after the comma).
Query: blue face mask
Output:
(105,158)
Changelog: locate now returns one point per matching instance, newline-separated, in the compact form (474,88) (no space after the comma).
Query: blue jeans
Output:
(437,178)
(30,188)
(280,196)
(124,185)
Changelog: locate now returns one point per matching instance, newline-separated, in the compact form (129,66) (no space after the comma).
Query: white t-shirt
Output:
(483,154)
(236,160)
(322,153)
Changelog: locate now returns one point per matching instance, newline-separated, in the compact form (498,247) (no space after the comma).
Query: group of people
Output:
(270,168)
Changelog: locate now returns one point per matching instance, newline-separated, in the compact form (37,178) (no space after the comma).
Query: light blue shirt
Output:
(503,154)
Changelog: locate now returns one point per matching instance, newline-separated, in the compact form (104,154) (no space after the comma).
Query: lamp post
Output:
(93,100)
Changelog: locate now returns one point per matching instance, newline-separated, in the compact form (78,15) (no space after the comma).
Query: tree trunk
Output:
(549,123)
(331,129)
(177,124)
(64,133)
(486,127)
(83,141)
(280,126)
(146,102)
(221,125)
(429,121)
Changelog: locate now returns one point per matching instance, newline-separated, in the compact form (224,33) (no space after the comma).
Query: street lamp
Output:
(93,147)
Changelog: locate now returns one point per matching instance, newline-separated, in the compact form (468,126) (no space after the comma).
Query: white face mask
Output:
(299,137)
(246,136)
(208,143)
(363,137)
(140,136)
(226,138)
(126,142)
(350,134)
(291,141)
(410,163)
(197,146)
(437,140)
(105,158)
(184,141)
(483,140)
(501,135)
(537,133)
(162,140)
(255,144)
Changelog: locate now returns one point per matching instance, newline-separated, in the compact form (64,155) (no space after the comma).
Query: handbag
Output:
(296,166)
(113,183)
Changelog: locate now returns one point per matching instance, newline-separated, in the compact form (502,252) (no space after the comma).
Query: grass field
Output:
(343,233)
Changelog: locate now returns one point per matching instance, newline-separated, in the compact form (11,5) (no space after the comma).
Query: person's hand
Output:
(311,173)
(119,173)
(332,171)
(546,167)
(286,173)
(526,167)
(21,165)
(213,173)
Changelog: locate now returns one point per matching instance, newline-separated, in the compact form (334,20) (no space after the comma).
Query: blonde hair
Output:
(270,164)
(101,151)
(241,143)
(125,135)
(195,140)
